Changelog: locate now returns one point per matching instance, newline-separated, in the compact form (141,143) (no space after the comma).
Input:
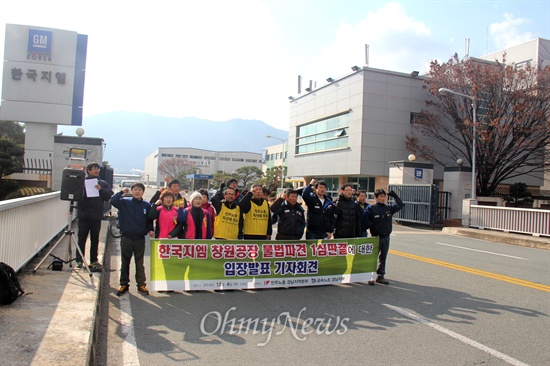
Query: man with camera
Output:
(379,220)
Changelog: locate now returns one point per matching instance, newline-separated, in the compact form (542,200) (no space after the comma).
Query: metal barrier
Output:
(421,203)
(28,224)
(509,219)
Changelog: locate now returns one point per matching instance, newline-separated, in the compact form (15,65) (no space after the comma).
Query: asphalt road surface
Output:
(451,301)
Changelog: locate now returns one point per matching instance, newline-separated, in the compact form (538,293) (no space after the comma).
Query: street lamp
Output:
(474,107)
(284,154)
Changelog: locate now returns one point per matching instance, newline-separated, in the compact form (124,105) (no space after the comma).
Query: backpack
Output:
(10,289)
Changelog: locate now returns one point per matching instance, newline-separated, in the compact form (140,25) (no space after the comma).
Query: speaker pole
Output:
(70,234)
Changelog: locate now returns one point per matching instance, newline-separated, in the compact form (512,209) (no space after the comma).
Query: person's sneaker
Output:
(122,290)
(382,280)
(143,290)
(371,283)
(96,267)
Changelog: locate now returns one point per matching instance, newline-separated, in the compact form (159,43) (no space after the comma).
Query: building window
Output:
(167,155)
(326,134)
(195,157)
(178,155)
(209,158)
(237,159)
(251,160)
(225,159)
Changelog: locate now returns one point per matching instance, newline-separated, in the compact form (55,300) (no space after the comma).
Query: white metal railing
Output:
(510,219)
(27,224)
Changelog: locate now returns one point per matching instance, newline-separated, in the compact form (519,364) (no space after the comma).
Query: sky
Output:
(226,59)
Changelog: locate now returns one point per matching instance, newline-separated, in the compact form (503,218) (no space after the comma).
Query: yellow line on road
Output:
(517,281)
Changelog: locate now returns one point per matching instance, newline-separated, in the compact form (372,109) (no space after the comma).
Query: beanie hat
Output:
(231,180)
(194,195)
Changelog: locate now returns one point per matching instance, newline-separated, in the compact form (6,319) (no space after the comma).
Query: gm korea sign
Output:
(40,41)
(43,75)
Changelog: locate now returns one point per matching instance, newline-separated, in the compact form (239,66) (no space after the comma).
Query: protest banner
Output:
(190,265)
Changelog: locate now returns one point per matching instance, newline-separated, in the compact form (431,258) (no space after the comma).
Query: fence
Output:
(424,204)
(509,219)
(28,224)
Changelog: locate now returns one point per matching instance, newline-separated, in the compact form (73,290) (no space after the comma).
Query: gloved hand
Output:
(392,194)
(222,186)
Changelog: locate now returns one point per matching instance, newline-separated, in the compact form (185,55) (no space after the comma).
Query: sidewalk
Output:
(523,240)
(54,322)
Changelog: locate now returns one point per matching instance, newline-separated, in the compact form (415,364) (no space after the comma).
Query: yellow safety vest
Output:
(226,224)
(255,220)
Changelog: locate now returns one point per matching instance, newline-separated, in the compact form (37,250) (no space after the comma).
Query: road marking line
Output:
(455,335)
(516,281)
(481,251)
(129,347)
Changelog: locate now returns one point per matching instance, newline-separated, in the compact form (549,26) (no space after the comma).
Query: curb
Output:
(500,237)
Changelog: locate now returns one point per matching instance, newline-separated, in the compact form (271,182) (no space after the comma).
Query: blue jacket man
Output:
(291,216)
(379,221)
(363,205)
(134,225)
(320,218)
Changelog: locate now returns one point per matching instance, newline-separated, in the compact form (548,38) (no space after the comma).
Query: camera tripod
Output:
(68,233)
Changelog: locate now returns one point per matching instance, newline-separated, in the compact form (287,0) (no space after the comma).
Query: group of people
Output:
(232,215)
(347,217)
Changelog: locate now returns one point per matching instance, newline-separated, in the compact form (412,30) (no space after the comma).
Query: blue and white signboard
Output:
(40,41)
(43,75)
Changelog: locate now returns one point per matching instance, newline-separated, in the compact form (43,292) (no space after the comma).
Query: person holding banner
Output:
(194,220)
(229,220)
(347,214)
(320,219)
(290,214)
(379,221)
(134,225)
(257,216)
(165,214)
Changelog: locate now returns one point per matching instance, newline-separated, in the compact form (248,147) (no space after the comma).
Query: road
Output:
(451,301)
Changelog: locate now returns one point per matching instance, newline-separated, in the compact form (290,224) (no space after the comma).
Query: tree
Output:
(11,154)
(513,120)
(272,178)
(13,131)
(248,174)
(174,168)
(519,195)
(219,177)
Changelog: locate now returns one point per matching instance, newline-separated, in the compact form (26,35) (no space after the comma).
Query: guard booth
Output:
(413,183)
(199,181)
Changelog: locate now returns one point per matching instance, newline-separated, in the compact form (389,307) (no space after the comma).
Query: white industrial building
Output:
(207,162)
(353,128)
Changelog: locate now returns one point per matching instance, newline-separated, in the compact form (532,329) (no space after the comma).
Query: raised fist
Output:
(222,185)
(392,194)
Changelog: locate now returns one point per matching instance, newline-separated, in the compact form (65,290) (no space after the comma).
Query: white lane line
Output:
(482,251)
(129,348)
(466,340)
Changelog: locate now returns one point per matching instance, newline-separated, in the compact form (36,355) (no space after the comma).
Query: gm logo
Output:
(40,41)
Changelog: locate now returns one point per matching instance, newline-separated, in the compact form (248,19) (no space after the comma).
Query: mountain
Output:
(130,137)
